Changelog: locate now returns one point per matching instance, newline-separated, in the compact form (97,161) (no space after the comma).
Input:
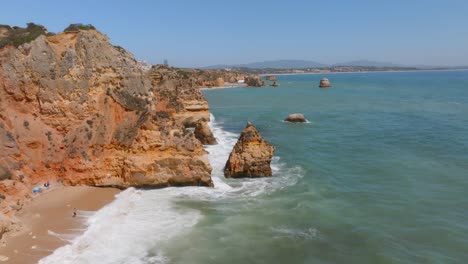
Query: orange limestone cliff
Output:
(76,110)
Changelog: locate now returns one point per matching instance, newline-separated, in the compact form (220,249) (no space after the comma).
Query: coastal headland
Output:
(77,111)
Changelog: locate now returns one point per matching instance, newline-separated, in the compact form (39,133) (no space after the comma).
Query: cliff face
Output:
(179,95)
(75,109)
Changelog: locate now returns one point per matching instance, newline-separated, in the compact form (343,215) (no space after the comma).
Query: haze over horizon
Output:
(205,33)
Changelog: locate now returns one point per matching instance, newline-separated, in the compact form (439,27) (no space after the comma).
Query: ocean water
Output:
(378,175)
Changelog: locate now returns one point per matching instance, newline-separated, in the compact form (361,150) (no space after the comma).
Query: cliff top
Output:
(16,36)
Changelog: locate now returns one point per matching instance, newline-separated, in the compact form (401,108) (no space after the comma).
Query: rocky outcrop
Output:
(251,156)
(214,77)
(178,94)
(204,134)
(296,118)
(254,81)
(76,110)
(324,83)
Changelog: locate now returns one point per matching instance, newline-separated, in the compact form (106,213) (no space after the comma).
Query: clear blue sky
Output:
(200,33)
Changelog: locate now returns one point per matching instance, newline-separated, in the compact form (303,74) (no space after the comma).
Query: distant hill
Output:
(367,63)
(275,64)
(304,64)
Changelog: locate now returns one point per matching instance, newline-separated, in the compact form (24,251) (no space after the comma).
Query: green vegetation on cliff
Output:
(17,36)
(78,26)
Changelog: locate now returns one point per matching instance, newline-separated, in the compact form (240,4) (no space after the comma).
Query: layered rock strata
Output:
(76,110)
(178,95)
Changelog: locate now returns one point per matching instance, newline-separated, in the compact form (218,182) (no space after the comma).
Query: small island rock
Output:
(296,118)
(324,83)
(251,156)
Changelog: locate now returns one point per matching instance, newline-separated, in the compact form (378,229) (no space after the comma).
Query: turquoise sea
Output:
(378,175)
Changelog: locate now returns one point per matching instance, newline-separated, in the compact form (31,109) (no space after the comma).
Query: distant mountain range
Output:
(275,64)
(303,64)
(368,63)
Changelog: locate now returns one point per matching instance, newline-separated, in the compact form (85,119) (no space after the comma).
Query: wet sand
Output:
(49,214)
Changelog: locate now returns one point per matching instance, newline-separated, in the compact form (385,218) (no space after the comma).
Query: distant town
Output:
(333,69)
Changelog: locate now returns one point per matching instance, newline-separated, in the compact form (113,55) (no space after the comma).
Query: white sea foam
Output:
(140,221)
(127,229)
(306,122)
(64,237)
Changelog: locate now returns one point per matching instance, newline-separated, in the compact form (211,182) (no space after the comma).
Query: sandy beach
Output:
(48,222)
(233,85)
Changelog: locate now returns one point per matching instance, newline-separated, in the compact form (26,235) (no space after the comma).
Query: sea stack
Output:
(296,118)
(204,134)
(324,83)
(251,156)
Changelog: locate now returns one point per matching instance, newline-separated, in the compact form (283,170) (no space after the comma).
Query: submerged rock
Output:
(324,83)
(204,134)
(251,156)
(296,118)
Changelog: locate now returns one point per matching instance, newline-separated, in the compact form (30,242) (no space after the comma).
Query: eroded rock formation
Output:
(178,95)
(204,134)
(254,81)
(251,156)
(76,110)
(215,77)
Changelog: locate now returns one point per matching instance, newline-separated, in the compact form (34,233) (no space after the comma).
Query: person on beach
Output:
(74,212)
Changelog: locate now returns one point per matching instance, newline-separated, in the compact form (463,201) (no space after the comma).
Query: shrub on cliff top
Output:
(17,36)
(119,48)
(78,26)
(184,74)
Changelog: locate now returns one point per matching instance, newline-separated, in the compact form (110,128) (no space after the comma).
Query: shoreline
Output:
(233,85)
(47,222)
(317,73)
